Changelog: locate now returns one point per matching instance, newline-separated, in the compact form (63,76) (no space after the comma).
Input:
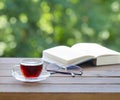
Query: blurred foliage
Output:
(27,27)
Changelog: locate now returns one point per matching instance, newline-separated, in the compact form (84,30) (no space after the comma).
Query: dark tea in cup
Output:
(31,68)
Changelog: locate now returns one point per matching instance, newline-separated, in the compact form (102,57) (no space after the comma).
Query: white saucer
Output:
(20,77)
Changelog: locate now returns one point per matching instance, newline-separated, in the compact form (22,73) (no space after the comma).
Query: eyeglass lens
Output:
(73,69)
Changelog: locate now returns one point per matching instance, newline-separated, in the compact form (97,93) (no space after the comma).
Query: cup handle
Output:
(14,68)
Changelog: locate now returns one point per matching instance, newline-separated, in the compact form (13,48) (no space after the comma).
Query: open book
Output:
(81,52)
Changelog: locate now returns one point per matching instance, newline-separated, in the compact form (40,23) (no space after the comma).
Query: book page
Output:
(93,49)
(106,60)
(64,52)
(63,56)
(79,53)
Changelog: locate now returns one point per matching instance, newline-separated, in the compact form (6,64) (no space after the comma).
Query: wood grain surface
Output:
(96,83)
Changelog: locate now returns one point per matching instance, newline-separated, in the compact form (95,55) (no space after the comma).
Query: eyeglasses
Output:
(72,70)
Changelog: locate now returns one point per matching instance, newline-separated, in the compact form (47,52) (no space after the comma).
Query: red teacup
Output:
(31,68)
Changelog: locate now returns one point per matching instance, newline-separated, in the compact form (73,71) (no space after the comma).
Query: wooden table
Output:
(96,83)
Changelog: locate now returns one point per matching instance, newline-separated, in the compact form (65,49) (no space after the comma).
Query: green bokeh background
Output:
(27,27)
